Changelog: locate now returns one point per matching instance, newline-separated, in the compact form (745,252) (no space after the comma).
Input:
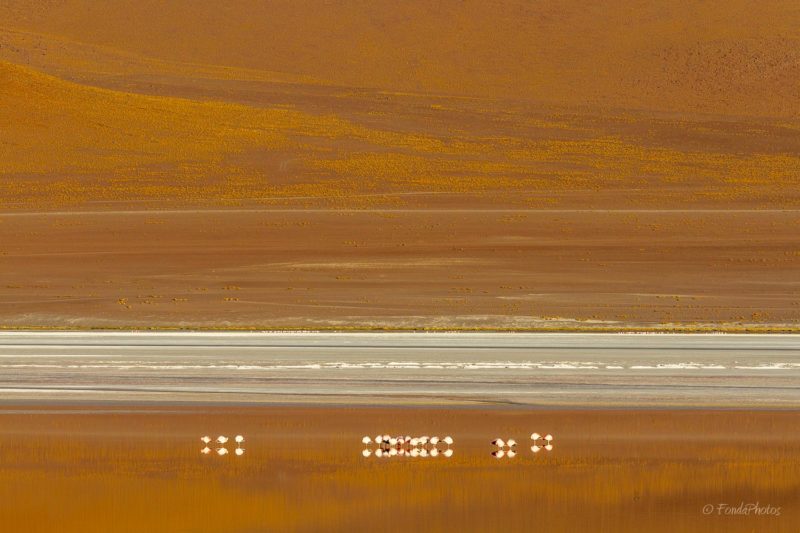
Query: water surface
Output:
(95,467)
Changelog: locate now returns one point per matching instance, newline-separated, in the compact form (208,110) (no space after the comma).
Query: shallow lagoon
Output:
(89,467)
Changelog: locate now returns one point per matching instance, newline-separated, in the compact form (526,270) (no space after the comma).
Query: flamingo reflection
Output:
(221,440)
(540,443)
(406,446)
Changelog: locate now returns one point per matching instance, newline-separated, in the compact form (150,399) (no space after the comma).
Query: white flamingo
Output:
(206,439)
(423,452)
(239,439)
(239,451)
(222,439)
(499,442)
(511,443)
(510,454)
(378,452)
(535,448)
(206,450)
(366,440)
(414,452)
(448,452)
(498,453)
(434,452)
(548,447)
(535,436)
(366,452)
(448,440)
(434,441)
(222,451)
(393,452)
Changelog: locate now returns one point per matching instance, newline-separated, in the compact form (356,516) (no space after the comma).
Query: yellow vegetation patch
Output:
(66,143)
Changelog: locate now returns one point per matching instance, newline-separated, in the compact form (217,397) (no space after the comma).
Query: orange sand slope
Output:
(452,105)
(69,143)
(692,57)
(697,104)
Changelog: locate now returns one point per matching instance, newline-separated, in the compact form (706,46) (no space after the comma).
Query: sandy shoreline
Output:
(566,370)
(404,271)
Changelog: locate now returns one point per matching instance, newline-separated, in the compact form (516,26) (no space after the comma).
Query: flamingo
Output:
(366,452)
(548,447)
(434,441)
(548,437)
(222,439)
(448,440)
(378,452)
(499,442)
(206,450)
(239,451)
(366,441)
(239,439)
(393,442)
(535,436)
(206,439)
(423,452)
(511,443)
(448,452)
(415,442)
(414,452)
(434,452)
(535,448)
(222,451)
(510,454)
(498,453)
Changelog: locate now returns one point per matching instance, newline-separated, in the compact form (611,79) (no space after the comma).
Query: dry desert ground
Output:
(477,164)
